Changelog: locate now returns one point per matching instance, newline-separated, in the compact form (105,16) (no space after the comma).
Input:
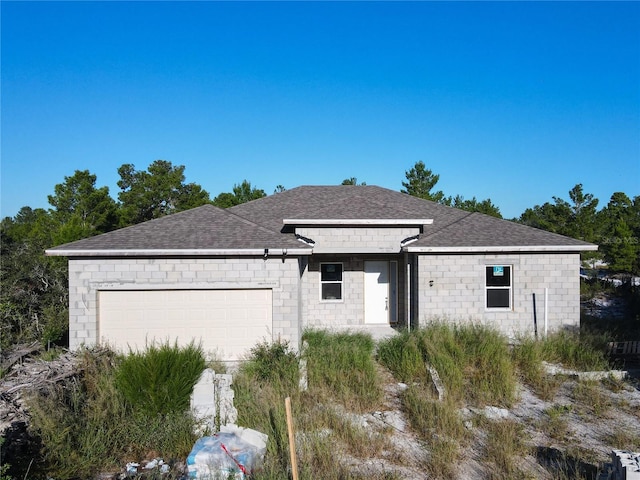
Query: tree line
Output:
(33,287)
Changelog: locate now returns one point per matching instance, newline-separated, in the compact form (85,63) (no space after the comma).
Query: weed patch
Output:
(473,361)
(504,446)
(341,367)
(87,424)
(160,379)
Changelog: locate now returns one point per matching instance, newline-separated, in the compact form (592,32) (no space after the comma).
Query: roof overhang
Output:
(180,252)
(358,221)
(356,250)
(500,249)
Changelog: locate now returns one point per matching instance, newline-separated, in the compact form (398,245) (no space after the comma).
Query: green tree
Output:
(621,249)
(619,241)
(473,205)
(352,181)
(279,189)
(242,193)
(158,191)
(81,209)
(420,183)
(575,219)
(581,219)
(33,287)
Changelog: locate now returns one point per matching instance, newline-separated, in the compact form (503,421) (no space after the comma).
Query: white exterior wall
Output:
(87,276)
(458,291)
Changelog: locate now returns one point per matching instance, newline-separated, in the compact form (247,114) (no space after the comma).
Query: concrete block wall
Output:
(348,312)
(457,290)
(387,238)
(87,276)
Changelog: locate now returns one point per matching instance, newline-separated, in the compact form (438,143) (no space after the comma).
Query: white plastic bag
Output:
(234,450)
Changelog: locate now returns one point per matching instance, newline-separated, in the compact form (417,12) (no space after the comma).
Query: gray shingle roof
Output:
(259,224)
(202,228)
(479,230)
(342,202)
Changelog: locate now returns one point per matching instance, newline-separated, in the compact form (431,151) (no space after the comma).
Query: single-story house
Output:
(335,257)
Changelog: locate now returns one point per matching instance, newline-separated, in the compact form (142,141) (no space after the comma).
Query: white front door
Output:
(377,292)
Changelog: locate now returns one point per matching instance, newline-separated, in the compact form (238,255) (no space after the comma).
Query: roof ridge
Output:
(250,222)
(443,227)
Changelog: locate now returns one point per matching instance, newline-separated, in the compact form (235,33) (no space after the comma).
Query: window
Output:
(331,281)
(498,286)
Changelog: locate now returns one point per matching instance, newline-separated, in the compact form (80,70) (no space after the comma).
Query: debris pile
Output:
(25,373)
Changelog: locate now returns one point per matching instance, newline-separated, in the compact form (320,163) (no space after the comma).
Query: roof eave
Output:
(358,221)
(501,248)
(187,252)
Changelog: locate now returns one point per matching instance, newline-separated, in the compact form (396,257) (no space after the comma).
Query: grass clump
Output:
(505,445)
(473,361)
(580,351)
(528,355)
(591,398)
(341,366)
(160,379)
(555,422)
(439,425)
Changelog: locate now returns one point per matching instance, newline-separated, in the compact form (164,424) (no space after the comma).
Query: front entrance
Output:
(380,292)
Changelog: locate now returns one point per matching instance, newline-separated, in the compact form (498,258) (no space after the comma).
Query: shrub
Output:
(160,380)
(273,362)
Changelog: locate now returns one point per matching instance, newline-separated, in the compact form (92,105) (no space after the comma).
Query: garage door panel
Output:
(227,321)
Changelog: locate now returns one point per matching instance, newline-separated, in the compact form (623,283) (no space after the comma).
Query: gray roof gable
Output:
(196,231)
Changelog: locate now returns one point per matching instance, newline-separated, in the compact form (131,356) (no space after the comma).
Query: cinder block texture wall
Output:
(457,291)
(88,276)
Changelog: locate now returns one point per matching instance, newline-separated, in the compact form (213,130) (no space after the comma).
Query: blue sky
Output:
(515,101)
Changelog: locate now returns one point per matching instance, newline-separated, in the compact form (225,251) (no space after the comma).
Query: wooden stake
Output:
(292,440)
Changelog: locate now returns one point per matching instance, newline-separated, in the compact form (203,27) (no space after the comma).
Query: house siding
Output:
(458,290)
(89,276)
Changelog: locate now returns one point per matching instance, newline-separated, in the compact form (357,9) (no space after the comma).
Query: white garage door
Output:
(227,322)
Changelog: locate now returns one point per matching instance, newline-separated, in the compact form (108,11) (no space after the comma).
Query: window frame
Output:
(332,282)
(508,287)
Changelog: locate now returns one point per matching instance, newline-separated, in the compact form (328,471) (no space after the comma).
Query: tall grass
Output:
(581,351)
(160,379)
(341,367)
(473,361)
(87,425)
(342,379)
(505,446)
